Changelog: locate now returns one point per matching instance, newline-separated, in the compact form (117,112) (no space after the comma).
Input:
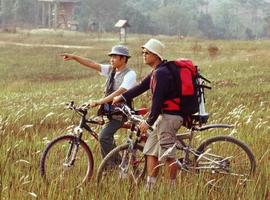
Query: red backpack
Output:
(191,87)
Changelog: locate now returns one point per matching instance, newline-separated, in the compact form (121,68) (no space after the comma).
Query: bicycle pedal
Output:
(184,168)
(182,164)
(122,175)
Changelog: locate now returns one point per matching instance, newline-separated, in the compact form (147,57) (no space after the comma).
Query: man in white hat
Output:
(165,121)
(120,78)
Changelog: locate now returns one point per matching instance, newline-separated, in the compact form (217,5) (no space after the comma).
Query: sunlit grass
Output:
(35,84)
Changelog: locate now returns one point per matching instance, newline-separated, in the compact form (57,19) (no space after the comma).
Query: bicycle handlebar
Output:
(130,114)
(123,108)
(79,109)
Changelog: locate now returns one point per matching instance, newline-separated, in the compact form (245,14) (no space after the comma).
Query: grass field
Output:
(35,83)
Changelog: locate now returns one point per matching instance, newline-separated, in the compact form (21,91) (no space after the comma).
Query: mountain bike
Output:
(68,158)
(219,159)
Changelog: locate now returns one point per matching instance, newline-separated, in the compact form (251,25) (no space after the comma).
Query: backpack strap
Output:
(175,68)
(110,83)
(174,71)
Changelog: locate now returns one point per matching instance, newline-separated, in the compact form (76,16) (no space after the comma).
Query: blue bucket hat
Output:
(119,50)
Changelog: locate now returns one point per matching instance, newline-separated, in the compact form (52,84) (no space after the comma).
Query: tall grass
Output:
(35,84)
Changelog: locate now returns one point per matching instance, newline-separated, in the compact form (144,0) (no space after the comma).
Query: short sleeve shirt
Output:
(129,79)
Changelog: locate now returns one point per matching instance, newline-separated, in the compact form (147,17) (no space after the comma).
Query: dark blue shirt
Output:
(163,87)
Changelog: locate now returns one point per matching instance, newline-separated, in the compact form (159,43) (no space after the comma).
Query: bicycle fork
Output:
(73,148)
(128,160)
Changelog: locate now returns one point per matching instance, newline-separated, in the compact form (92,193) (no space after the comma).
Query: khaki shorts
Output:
(163,136)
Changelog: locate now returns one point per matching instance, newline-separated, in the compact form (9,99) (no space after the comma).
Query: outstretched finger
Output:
(65,56)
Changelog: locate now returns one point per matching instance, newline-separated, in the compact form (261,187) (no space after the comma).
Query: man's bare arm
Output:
(83,61)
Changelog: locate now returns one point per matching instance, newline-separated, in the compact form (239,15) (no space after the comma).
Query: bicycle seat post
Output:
(191,134)
(190,138)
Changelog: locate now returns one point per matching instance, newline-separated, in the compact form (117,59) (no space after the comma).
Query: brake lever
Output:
(70,105)
(121,109)
(84,106)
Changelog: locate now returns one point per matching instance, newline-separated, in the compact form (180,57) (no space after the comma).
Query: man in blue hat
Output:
(120,78)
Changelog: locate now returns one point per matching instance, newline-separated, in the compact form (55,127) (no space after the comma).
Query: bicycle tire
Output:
(53,166)
(137,173)
(232,161)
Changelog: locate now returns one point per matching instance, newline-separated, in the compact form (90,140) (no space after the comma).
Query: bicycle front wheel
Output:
(67,160)
(130,167)
(224,160)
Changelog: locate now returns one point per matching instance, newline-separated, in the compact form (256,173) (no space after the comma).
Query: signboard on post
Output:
(122,24)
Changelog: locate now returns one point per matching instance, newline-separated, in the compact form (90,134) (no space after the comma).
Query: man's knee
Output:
(104,138)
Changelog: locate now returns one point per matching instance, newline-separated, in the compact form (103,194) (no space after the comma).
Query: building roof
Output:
(122,23)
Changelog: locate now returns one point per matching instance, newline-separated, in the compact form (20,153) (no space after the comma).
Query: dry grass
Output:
(35,83)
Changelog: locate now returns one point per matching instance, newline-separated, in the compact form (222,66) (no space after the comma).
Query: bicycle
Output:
(68,158)
(215,157)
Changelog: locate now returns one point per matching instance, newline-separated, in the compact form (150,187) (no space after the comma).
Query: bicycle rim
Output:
(59,166)
(122,172)
(225,161)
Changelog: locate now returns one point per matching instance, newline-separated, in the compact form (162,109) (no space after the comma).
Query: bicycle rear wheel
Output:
(131,167)
(67,160)
(224,160)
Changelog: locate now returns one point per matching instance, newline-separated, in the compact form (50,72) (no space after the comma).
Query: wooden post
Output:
(49,15)
(55,17)
(123,34)
(43,16)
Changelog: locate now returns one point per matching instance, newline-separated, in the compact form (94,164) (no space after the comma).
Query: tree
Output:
(227,19)
(104,12)
(175,19)
(7,14)
(27,12)
(206,26)
(210,18)
(19,13)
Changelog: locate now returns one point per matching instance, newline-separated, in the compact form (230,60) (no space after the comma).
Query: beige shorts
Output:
(163,136)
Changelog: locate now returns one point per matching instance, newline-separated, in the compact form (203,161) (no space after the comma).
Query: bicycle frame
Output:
(212,161)
(82,111)
(190,134)
(186,146)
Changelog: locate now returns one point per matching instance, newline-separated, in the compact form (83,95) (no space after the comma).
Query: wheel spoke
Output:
(132,167)
(66,163)
(224,160)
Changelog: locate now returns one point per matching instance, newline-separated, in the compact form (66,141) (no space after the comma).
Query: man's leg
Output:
(171,170)
(152,162)
(167,137)
(151,151)
(106,138)
(152,171)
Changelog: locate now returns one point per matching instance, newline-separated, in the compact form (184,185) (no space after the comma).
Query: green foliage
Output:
(27,12)
(174,20)
(23,12)
(223,19)
(7,11)
(207,27)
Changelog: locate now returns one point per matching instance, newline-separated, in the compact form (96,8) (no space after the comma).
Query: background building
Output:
(59,14)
